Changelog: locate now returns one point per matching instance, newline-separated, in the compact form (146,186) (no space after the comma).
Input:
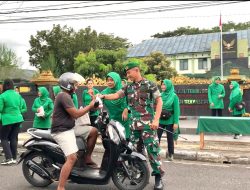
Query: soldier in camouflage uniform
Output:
(141,95)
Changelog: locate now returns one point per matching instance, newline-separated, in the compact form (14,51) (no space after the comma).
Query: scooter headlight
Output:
(113,134)
(120,129)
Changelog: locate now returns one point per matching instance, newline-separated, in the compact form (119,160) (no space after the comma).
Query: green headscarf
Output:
(216,87)
(56,90)
(214,81)
(44,94)
(118,85)
(235,90)
(169,94)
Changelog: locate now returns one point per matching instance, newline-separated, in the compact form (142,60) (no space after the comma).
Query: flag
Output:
(220,24)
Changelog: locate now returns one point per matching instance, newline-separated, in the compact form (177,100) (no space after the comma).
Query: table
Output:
(212,124)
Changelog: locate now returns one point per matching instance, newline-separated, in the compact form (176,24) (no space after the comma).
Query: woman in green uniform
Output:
(216,93)
(42,107)
(87,96)
(117,109)
(234,98)
(170,115)
(11,116)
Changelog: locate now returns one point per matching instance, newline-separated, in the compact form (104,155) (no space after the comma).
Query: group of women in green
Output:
(118,109)
(216,93)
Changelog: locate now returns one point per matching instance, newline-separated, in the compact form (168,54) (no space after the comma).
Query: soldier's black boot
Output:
(158,182)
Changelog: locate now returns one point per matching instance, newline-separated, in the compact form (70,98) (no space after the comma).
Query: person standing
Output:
(216,93)
(87,96)
(10,111)
(43,107)
(141,95)
(235,98)
(170,114)
(117,109)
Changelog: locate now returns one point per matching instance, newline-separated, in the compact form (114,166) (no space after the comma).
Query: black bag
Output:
(240,106)
(165,114)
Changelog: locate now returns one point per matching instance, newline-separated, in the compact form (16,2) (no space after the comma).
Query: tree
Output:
(59,41)
(8,57)
(188,30)
(111,59)
(85,40)
(158,64)
(103,61)
(9,64)
(110,42)
(66,44)
(86,64)
(49,63)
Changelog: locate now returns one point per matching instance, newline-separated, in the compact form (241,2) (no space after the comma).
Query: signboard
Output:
(229,46)
(194,99)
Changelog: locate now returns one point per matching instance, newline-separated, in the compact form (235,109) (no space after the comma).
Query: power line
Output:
(64,8)
(112,14)
(46,6)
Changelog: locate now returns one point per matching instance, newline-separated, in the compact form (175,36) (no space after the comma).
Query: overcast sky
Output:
(140,23)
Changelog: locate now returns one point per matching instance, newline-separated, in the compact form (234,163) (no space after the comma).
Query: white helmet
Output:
(68,80)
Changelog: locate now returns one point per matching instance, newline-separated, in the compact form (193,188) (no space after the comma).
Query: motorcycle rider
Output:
(63,130)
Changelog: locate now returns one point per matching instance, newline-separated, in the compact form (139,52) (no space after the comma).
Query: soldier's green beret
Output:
(130,65)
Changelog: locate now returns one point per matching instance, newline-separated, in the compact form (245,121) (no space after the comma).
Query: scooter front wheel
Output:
(131,175)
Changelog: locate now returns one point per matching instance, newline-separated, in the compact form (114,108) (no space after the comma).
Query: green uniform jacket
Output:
(23,108)
(116,107)
(86,99)
(236,97)
(171,103)
(10,107)
(175,108)
(75,100)
(48,106)
(214,90)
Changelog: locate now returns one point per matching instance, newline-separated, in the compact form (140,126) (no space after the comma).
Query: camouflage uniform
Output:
(141,98)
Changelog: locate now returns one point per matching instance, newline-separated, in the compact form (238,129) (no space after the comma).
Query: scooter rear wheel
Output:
(33,178)
(139,173)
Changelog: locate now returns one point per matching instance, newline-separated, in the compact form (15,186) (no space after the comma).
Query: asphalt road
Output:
(180,175)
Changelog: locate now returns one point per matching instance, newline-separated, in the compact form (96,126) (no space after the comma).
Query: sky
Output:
(138,20)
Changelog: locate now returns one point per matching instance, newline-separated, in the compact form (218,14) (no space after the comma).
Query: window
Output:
(202,64)
(183,64)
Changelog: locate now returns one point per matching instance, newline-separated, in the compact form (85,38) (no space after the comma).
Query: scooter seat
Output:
(45,134)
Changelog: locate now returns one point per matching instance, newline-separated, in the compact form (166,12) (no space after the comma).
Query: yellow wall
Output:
(215,49)
(242,48)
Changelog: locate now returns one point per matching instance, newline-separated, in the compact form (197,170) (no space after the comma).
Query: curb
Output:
(191,155)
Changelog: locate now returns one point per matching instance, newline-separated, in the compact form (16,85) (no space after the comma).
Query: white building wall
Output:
(193,60)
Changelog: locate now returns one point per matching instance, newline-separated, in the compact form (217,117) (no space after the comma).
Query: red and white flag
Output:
(220,24)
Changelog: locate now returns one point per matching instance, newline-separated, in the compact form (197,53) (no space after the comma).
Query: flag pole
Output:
(221,50)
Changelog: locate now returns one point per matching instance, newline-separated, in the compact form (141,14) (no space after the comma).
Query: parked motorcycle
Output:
(43,159)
